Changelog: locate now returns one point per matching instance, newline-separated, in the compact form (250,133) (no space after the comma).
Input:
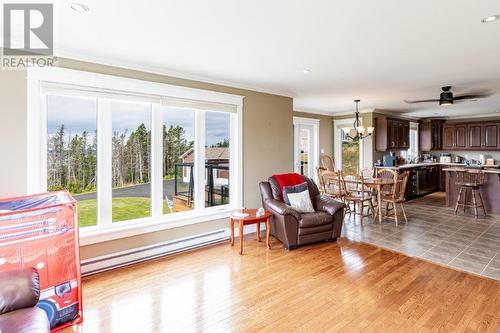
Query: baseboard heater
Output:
(128,257)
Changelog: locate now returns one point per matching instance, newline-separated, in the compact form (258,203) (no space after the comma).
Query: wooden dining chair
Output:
(396,197)
(387,174)
(368,173)
(327,162)
(356,194)
(333,187)
(321,187)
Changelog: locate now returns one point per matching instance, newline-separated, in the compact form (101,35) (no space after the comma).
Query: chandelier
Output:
(358,131)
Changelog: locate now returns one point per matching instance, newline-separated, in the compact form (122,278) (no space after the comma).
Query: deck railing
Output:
(215,194)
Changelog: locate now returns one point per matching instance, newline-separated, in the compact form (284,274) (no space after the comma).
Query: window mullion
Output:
(104,163)
(199,161)
(234,171)
(156,161)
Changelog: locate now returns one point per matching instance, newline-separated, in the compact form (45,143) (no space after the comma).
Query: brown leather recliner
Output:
(19,293)
(293,228)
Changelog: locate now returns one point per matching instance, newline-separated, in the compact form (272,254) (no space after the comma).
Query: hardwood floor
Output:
(336,287)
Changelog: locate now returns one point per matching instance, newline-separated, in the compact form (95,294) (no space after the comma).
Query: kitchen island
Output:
(490,191)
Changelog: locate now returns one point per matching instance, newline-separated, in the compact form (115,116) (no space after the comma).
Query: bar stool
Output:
(470,181)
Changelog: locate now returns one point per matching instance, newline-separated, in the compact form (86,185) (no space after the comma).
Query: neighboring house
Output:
(217,156)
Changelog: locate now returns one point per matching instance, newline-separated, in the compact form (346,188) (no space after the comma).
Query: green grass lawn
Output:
(123,209)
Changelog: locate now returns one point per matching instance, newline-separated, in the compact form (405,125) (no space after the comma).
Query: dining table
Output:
(377,184)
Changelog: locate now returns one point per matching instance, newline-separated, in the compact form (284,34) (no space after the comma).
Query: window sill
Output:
(94,235)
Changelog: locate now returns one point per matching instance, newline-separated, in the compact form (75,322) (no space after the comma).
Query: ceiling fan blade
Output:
(470,96)
(422,101)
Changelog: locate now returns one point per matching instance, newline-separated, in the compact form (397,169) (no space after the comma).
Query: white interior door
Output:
(306,146)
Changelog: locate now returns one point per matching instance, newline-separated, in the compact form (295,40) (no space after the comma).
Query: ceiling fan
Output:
(446,97)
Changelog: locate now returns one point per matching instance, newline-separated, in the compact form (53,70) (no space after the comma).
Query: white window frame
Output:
(105,230)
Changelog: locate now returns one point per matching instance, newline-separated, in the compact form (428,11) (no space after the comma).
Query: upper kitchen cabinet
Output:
(431,135)
(461,136)
(491,136)
(391,133)
(454,136)
(471,136)
(483,136)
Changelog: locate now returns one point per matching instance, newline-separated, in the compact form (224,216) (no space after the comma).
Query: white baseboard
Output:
(119,259)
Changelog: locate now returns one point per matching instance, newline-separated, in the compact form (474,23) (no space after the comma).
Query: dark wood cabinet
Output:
(391,133)
(448,137)
(431,135)
(472,136)
(475,135)
(432,178)
(491,137)
(461,136)
(442,178)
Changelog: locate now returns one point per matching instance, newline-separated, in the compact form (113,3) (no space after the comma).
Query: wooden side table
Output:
(251,218)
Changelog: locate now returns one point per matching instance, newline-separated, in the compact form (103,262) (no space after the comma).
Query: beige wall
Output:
(325,130)
(13,133)
(267,144)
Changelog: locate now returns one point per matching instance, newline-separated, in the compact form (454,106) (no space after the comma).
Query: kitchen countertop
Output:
(495,171)
(416,165)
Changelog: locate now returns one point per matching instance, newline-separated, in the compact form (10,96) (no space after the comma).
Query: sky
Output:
(79,114)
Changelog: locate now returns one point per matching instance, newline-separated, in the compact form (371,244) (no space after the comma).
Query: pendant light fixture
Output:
(360,131)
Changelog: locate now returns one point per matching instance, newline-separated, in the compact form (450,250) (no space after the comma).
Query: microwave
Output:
(445,159)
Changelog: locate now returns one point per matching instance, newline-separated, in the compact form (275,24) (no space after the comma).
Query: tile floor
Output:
(436,234)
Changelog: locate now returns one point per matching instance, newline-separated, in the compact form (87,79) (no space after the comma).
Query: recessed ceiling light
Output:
(490,19)
(79,7)
(306,71)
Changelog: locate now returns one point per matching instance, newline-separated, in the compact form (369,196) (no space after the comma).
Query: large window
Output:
(131,160)
(217,158)
(136,156)
(72,151)
(178,159)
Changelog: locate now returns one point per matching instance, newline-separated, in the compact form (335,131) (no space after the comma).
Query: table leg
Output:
(240,231)
(258,232)
(379,199)
(268,233)
(232,232)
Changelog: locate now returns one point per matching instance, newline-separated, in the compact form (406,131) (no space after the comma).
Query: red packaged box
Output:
(41,231)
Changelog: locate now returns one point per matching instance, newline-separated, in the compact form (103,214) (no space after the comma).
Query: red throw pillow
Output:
(289,179)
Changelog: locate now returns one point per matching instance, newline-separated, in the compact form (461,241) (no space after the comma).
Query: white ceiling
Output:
(380,51)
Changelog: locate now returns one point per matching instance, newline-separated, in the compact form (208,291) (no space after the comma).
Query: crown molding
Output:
(481,115)
(319,112)
(347,113)
(168,72)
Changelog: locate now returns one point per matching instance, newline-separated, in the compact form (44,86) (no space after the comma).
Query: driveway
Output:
(141,190)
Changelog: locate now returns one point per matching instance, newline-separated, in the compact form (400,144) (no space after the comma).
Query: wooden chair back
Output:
(333,183)
(367,172)
(399,188)
(470,177)
(319,172)
(354,185)
(327,162)
(387,174)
